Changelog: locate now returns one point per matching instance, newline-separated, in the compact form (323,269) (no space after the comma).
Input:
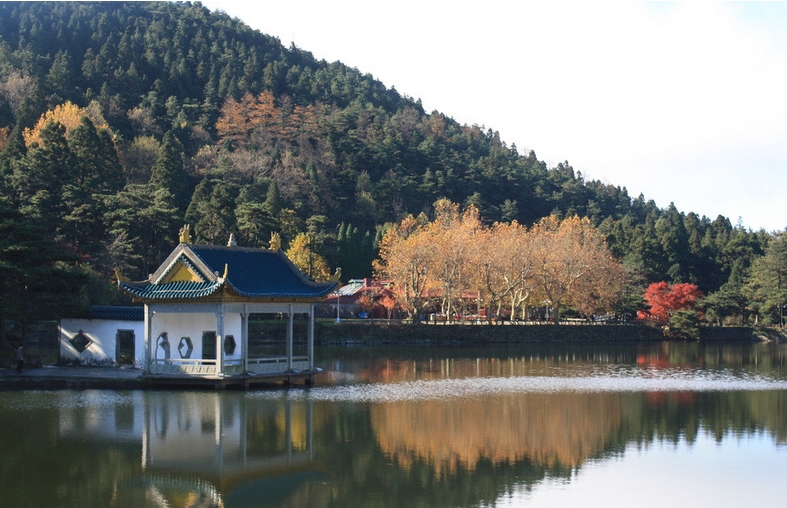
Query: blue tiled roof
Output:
(118,313)
(256,272)
(172,290)
(251,273)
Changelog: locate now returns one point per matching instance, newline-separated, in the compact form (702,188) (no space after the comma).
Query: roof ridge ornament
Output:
(232,242)
(336,276)
(184,235)
(119,275)
(275,242)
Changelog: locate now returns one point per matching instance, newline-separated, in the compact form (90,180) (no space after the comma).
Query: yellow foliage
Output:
(406,254)
(307,261)
(455,255)
(69,115)
(573,264)
(3,137)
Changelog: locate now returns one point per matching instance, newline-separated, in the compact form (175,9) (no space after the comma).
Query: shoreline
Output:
(71,378)
(360,334)
(383,333)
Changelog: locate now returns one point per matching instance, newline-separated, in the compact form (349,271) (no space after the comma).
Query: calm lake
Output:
(670,424)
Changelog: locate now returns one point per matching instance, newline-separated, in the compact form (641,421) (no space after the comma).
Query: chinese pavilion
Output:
(197,306)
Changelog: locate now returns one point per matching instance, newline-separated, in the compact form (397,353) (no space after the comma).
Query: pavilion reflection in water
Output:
(208,448)
(342,446)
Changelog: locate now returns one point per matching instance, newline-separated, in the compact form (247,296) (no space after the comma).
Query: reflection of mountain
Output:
(558,428)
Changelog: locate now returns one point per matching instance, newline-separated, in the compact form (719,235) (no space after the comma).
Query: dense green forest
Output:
(189,116)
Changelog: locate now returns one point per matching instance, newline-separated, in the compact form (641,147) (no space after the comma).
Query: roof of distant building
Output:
(356,287)
(117,313)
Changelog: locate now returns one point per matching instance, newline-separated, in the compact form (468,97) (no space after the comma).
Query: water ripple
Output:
(450,389)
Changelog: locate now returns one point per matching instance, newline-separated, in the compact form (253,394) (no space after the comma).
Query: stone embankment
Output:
(73,378)
(381,333)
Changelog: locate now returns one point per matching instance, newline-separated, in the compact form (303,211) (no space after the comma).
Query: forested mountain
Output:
(120,121)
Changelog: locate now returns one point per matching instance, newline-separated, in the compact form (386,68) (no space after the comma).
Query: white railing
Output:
(201,367)
(192,367)
(276,364)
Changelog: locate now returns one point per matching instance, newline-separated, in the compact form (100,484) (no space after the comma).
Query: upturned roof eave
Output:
(223,290)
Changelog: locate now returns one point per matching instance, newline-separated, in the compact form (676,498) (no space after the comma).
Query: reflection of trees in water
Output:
(457,453)
(468,362)
(365,476)
(764,358)
(565,429)
(673,416)
(82,472)
(558,428)
(393,364)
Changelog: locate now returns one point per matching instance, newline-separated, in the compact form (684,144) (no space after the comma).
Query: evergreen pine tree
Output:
(14,150)
(273,200)
(169,173)
(60,78)
(147,218)
(218,220)
(255,223)
(200,200)
(43,181)
(37,280)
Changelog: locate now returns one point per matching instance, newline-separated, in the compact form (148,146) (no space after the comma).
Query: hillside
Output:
(196,118)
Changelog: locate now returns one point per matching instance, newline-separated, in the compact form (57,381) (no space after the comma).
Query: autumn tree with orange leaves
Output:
(406,258)
(504,264)
(389,303)
(664,300)
(454,237)
(572,264)
(560,262)
(239,119)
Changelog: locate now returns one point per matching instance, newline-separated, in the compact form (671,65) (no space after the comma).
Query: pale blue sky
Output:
(682,102)
(654,475)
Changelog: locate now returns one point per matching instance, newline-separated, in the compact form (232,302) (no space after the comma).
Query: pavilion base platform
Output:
(236,381)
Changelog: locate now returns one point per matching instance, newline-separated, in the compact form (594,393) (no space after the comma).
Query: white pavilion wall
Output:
(192,324)
(103,336)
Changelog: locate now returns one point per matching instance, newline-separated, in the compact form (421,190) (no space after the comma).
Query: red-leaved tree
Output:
(664,299)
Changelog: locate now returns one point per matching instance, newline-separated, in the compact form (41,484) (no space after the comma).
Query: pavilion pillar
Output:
(289,338)
(310,338)
(220,342)
(148,340)
(244,338)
